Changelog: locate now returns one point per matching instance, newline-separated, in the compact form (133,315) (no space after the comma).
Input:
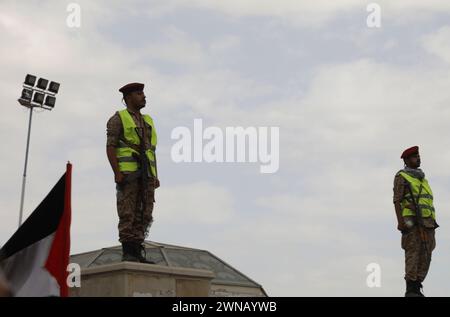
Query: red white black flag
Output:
(35,258)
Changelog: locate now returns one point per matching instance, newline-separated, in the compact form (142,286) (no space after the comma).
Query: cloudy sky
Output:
(347,100)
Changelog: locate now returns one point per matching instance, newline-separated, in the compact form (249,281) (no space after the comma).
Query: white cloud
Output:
(438,43)
(321,12)
(224,44)
(177,48)
(304,13)
(200,203)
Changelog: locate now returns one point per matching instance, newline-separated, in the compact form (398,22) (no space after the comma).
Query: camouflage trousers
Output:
(417,258)
(133,223)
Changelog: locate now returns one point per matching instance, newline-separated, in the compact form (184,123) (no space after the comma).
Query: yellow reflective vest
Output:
(422,195)
(127,152)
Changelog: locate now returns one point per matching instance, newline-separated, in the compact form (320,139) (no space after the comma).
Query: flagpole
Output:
(25,167)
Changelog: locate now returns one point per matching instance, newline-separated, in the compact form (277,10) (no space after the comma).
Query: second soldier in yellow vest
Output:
(131,150)
(413,200)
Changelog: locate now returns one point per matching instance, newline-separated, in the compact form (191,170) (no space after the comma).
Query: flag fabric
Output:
(35,258)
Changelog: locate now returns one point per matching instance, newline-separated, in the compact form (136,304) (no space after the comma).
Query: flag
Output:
(35,258)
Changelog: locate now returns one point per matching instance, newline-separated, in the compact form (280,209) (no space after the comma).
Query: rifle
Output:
(419,219)
(144,172)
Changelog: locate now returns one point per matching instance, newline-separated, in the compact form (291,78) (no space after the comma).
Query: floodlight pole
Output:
(25,167)
(28,94)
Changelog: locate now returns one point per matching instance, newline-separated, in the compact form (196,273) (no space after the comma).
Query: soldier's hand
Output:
(157,183)
(412,207)
(119,178)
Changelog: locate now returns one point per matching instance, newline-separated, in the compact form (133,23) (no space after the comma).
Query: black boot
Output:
(128,253)
(419,286)
(141,255)
(412,289)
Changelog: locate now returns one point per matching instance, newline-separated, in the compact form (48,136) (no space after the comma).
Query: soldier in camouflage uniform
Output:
(417,254)
(125,131)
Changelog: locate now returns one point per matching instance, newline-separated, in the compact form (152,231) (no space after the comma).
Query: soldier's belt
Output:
(137,175)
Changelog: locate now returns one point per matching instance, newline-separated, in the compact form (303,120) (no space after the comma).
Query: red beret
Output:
(129,88)
(408,152)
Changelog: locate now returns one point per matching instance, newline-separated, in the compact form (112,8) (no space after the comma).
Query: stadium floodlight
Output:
(30,80)
(38,98)
(54,87)
(31,97)
(49,101)
(42,84)
(26,94)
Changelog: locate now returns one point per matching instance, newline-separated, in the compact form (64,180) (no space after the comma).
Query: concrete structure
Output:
(179,271)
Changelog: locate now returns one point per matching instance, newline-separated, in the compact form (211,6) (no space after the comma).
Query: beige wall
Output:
(127,279)
(135,279)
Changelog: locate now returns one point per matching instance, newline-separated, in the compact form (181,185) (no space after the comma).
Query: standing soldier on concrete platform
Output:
(413,200)
(131,145)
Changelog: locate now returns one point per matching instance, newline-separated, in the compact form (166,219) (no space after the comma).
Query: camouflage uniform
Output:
(133,225)
(417,259)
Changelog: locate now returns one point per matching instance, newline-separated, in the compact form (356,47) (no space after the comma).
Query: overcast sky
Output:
(347,99)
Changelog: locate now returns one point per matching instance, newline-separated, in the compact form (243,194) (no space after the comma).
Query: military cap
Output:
(408,152)
(129,88)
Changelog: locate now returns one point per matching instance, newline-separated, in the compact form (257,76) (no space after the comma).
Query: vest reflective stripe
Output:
(426,207)
(124,145)
(131,159)
(126,159)
(127,153)
(425,199)
(408,197)
(426,196)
